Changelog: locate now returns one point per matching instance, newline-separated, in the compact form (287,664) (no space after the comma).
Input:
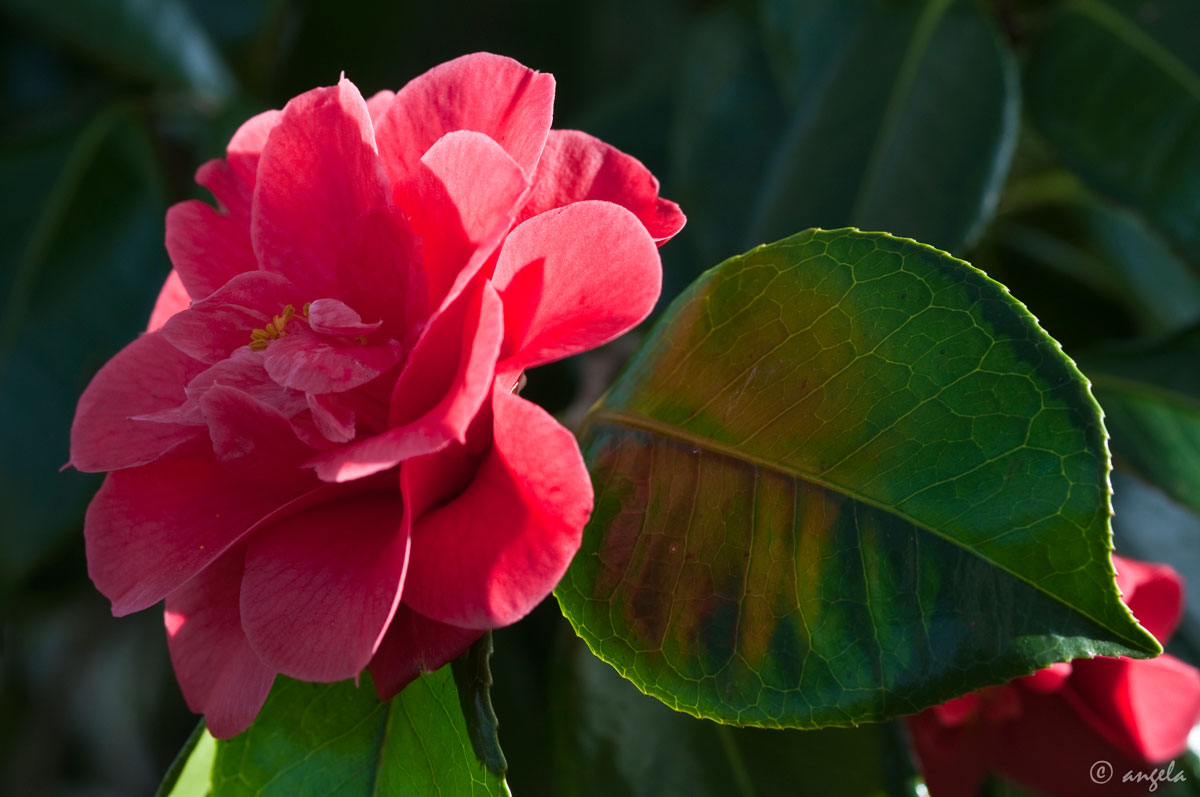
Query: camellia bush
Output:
(427,509)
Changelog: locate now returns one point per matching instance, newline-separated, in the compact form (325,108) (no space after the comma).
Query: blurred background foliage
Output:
(1054,144)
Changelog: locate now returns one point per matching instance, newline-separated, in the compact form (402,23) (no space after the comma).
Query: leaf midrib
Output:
(638,422)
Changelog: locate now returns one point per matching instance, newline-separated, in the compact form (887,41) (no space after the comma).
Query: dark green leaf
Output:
(158,41)
(1151,400)
(190,774)
(902,117)
(87,266)
(613,741)
(1105,248)
(338,739)
(473,679)
(845,478)
(1115,86)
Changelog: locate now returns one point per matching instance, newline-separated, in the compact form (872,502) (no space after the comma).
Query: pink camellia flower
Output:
(1074,728)
(316,453)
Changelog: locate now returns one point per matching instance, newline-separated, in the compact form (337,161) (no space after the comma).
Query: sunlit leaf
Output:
(338,739)
(845,478)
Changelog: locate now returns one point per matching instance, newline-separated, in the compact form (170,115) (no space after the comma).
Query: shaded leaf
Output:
(1104,247)
(613,741)
(901,117)
(845,478)
(1115,86)
(88,265)
(473,679)
(158,41)
(338,739)
(1151,399)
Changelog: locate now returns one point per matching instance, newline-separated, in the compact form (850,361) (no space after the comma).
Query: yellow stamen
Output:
(304,309)
(362,340)
(259,338)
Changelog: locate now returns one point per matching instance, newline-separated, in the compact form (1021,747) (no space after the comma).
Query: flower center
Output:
(259,338)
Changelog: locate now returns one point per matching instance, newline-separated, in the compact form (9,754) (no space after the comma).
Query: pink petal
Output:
(1153,592)
(321,586)
(575,166)
(1052,750)
(489,94)
(318,179)
(147,376)
(246,146)
(220,675)
(1050,679)
(462,199)
(573,279)
(331,317)
(333,419)
(151,529)
(445,381)
(379,103)
(244,371)
(213,328)
(1145,707)
(954,759)
(255,441)
(414,644)
(493,553)
(207,247)
(172,299)
(314,364)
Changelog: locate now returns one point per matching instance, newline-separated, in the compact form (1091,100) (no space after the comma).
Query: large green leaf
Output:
(613,741)
(1115,85)
(901,116)
(1151,399)
(338,739)
(846,477)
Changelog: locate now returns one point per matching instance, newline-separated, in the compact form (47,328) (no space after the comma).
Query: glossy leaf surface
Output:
(845,478)
(1115,86)
(338,739)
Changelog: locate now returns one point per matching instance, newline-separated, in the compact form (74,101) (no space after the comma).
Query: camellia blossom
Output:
(1073,728)
(316,453)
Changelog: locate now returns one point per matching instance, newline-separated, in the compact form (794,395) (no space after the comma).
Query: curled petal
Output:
(145,377)
(461,200)
(1153,592)
(490,555)
(172,299)
(490,94)
(573,279)
(220,675)
(1144,707)
(313,364)
(575,166)
(331,317)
